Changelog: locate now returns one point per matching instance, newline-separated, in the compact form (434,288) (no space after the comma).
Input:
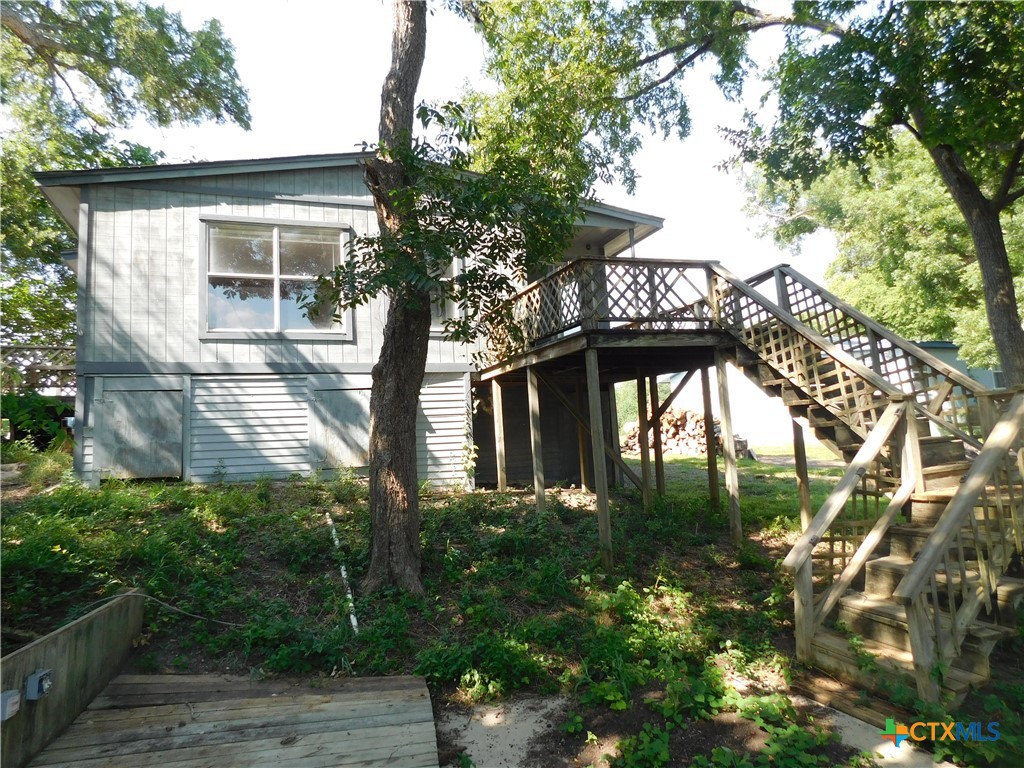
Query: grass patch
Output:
(515,600)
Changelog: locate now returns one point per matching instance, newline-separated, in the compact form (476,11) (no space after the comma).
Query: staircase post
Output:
(732,481)
(922,645)
(709,440)
(803,611)
(803,485)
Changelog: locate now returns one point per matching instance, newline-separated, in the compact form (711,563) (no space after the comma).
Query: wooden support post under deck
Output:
(604,524)
(536,450)
(709,439)
(581,441)
(732,480)
(643,443)
(659,457)
(499,433)
(803,485)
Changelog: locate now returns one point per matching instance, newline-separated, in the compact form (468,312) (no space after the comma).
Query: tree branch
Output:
(762,21)
(1003,197)
(701,50)
(27,33)
(1012,197)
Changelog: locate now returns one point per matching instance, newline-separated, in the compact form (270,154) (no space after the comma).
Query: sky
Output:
(314,68)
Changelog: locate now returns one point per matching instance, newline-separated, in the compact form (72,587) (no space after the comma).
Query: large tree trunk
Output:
(398,374)
(997,278)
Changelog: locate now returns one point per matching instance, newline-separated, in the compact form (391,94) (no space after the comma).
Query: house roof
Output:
(604,228)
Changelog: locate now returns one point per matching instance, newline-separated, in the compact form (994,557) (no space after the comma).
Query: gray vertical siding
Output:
(144,269)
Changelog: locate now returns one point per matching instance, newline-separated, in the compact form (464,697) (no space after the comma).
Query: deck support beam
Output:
(604,525)
(499,434)
(643,443)
(732,481)
(709,440)
(659,456)
(536,449)
(803,485)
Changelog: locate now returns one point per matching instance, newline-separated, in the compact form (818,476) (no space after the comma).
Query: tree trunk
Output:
(398,374)
(394,485)
(982,219)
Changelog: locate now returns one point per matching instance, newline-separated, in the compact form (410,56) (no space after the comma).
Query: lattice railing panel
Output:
(943,391)
(39,368)
(846,392)
(861,511)
(592,293)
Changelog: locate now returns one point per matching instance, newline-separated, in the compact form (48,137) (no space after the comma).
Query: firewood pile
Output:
(682,433)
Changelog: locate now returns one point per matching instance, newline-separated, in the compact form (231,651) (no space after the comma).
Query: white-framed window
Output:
(259,275)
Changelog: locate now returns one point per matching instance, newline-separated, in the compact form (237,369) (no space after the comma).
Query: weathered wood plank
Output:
(215,720)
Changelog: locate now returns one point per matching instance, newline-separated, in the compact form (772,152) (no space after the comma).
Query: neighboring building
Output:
(194,359)
(947,352)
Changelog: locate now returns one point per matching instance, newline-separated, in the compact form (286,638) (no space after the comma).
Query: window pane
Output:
(240,303)
(295,293)
(241,249)
(309,251)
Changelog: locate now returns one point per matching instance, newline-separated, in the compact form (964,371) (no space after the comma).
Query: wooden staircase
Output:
(911,569)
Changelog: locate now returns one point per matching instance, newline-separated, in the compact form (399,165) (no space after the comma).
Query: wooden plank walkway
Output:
(186,721)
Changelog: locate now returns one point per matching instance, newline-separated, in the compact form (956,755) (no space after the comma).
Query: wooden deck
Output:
(181,721)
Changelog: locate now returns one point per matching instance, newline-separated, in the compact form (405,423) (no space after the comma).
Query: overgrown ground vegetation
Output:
(683,632)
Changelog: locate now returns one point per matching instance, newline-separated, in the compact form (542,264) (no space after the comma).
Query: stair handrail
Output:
(802,329)
(881,331)
(878,438)
(944,394)
(994,451)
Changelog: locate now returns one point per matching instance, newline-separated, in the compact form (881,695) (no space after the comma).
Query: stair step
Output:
(885,621)
(945,475)
(832,653)
(884,575)
(941,449)
(908,540)
(926,509)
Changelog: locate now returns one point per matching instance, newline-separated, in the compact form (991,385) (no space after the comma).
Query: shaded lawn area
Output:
(684,631)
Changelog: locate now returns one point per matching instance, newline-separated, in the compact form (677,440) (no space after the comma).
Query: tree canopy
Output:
(73,73)
(949,73)
(899,233)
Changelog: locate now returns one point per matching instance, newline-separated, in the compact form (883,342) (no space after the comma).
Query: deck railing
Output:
(601,293)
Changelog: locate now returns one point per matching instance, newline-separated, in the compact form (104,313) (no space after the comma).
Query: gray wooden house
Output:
(194,359)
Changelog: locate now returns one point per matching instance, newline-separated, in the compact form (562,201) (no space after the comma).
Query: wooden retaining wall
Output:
(83,656)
